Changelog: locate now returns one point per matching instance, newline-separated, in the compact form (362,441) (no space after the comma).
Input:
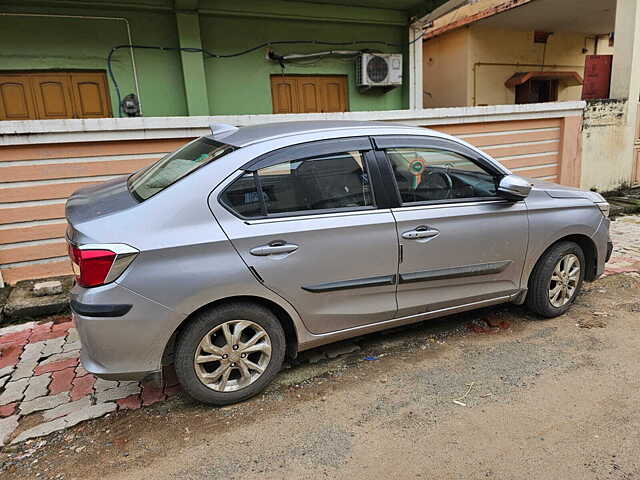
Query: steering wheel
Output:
(439,177)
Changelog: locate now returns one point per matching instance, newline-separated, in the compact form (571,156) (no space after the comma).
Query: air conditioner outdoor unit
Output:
(379,70)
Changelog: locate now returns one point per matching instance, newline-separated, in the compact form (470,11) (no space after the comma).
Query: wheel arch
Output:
(588,247)
(284,318)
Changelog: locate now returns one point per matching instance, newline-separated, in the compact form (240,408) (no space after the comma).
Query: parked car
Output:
(253,244)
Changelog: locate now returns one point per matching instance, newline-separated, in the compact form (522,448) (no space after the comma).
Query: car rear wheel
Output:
(556,280)
(229,353)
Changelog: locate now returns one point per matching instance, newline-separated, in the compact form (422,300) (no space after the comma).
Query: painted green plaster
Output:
(195,82)
(233,86)
(44,43)
(242,85)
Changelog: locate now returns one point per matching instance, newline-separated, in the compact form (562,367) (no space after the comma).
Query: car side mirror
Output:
(513,187)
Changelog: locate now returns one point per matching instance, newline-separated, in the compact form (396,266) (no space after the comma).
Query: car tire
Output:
(544,280)
(190,373)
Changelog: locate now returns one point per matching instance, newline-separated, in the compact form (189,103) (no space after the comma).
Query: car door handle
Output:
(420,232)
(273,248)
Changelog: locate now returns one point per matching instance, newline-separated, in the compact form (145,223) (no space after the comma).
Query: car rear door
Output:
(460,243)
(307,221)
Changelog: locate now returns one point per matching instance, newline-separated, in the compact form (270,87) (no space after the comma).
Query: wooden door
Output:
(52,95)
(597,77)
(89,93)
(16,99)
(40,95)
(309,93)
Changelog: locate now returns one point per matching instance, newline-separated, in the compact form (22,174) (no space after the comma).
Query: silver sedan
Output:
(253,244)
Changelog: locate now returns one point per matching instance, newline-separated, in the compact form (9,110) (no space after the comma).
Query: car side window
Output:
(430,174)
(334,181)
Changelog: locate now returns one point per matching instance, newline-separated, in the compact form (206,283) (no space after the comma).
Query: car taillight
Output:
(97,266)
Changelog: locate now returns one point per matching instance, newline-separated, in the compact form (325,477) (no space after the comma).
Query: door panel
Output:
(16,102)
(335,95)
(310,96)
(90,95)
(341,274)
(312,232)
(478,253)
(283,94)
(52,95)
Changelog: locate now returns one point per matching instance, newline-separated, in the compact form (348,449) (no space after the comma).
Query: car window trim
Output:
(383,142)
(308,150)
(311,216)
(406,141)
(449,203)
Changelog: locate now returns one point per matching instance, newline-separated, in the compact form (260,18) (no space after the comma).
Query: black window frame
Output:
(310,151)
(384,142)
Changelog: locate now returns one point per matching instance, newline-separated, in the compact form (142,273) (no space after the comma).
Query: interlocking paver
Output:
(41,430)
(102,385)
(28,360)
(7,427)
(14,391)
(67,408)
(37,387)
(10,354)
(82,386)
(121,391)
(61,381)
(4,380)
(53,346)
(131,402)
(55,366)
(8,410)
(87,413)
(72,335)
(16,328)
(43,403)
(6,371)
(58,357)
(71,346)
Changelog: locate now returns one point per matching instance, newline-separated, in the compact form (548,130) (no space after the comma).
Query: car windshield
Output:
(174,166)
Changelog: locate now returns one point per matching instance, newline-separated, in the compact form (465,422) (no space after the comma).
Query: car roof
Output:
(244,136)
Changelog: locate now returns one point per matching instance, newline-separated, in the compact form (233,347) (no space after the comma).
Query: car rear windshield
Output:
(174,166)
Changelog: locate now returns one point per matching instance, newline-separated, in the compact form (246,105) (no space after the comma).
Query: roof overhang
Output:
(578,16)
(569,79)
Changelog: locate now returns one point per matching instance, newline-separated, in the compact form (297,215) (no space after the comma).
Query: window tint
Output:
(168,170)
(425,175)
(335,181)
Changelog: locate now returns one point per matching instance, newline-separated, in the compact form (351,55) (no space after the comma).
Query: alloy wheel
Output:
(232,355)
(564,280)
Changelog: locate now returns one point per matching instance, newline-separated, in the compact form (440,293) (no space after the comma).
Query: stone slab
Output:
(43,403)
(37,387)
(7,427)
(22,303)
(50,287)
(67,408)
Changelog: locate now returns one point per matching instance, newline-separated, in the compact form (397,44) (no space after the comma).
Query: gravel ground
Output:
(494,393)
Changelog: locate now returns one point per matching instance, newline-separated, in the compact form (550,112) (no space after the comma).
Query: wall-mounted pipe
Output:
(88,17)
(491,64)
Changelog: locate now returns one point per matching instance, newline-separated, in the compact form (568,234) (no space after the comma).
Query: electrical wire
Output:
(209,54)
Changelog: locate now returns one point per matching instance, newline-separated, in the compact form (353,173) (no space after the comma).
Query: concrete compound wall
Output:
(603,131)
(43,162)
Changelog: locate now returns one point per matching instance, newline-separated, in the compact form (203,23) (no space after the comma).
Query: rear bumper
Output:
(123,334)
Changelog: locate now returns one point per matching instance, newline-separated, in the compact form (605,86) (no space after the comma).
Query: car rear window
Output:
(174,166)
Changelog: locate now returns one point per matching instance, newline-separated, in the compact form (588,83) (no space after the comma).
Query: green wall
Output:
(235,86)
(242,85)
(41,43)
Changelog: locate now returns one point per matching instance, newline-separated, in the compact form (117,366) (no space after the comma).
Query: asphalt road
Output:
(536,399)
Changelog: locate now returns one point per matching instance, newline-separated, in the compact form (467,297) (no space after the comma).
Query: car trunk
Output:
(96,201)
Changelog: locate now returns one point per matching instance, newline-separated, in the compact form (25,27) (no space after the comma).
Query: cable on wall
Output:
(209,54)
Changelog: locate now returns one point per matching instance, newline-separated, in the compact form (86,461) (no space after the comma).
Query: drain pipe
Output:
(85,17)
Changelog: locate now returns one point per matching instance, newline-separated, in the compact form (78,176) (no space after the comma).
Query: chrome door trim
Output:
(447,205)
(317,215)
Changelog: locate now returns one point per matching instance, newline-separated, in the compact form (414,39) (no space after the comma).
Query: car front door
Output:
(306,221)
(460,243)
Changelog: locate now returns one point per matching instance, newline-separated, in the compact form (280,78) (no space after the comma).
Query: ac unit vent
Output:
(379,70)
